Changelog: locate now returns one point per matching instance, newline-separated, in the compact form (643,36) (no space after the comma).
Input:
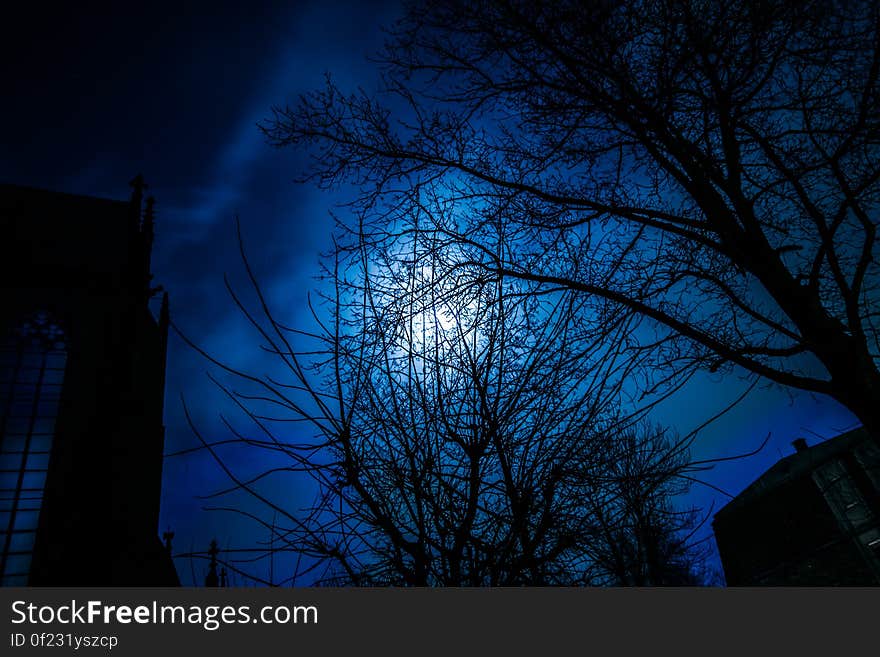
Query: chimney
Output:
(799,444)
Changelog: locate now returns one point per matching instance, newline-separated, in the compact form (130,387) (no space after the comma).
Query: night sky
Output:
(92,97)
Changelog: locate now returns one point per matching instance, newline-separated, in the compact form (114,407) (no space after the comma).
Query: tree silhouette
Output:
(457,434)
(639,538)
(712,168)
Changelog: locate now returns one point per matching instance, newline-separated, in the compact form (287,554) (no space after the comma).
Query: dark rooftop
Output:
(803,461)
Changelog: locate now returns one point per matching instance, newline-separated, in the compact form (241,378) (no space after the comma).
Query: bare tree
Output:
(455,434)
(710,167)
(639,537)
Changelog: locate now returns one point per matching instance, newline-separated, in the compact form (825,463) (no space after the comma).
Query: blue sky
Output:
(92,97)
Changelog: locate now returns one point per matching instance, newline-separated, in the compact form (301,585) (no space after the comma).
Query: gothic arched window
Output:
(32,362)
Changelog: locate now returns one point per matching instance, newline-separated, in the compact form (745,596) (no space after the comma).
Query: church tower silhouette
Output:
(82,377)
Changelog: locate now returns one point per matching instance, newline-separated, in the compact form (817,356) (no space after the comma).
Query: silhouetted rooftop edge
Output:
(794,466)
(31,193)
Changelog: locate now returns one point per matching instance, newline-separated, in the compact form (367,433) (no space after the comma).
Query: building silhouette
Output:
(82,375)
(811,519)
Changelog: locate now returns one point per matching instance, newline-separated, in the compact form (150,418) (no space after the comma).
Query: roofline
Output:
(68,195)
(749,491)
